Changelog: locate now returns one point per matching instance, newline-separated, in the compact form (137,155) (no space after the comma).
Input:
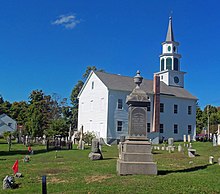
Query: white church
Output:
(171,108)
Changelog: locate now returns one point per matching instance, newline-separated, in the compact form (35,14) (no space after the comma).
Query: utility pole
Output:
(208,119)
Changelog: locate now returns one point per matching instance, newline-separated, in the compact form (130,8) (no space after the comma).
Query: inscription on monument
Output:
(138,122)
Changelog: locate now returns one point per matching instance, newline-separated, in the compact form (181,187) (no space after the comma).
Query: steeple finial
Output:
(170,36)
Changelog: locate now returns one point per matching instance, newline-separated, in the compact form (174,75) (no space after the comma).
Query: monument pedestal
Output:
(135,157)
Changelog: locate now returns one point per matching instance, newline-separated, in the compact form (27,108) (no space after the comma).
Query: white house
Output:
(171,111)
(7,124)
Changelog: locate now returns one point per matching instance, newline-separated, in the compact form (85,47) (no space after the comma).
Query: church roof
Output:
(125,83)
(170,36)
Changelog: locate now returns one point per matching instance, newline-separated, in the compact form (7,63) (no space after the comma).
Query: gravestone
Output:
(184,138)
(191,153)
(214,140)
(8,182)
(211,160)
(170,141)
(180,149)
(218,161)
(218,139)
(96,153)
(81,142)
(189,138)
(135,155)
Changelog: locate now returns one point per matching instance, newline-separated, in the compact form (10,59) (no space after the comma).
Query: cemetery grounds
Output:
(72,172)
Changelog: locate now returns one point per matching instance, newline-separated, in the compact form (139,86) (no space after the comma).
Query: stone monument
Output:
(96,153)
(81,144)
(214,140)
(135,155)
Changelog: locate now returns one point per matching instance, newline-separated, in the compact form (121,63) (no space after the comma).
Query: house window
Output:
(161,107)
(148,127)
(175,110)
(9,124)
(189,110)
(161,128)
(120,105)
(93,84)
(119,125)
(189,129)
(148,106)
(175,128)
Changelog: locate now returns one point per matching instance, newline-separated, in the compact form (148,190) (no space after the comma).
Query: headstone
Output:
(211,160)
(96,153)
(190,145)
(180,149)
(189,138)
(81,144)
(136,156)
(218,139)
(158,147)
(8,182)
(184,138)
(218,161)
(191,153)
(170,141)
(163,147)
(214,140)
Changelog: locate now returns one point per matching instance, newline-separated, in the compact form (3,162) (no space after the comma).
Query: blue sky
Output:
(47,44)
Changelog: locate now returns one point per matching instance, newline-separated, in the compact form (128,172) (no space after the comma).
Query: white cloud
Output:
(68,21)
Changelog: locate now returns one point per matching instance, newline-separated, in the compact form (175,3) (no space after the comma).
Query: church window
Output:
(169,63)
(189,110)
(148,127)
(175,128)
(93,84)
(120,104)
(161,107)
(162,64)
(161,128)
(175,110)
(119,125)
(174,49)
(176,64)
(189,129)
(169,48)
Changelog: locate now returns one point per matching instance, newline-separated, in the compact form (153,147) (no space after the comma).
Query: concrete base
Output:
(135,157)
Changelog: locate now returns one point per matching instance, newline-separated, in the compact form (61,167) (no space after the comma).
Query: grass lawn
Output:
(72,171)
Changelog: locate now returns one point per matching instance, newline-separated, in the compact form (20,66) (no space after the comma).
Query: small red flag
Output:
(15,167)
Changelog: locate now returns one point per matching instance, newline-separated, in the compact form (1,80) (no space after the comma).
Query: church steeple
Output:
(170,60)
(170,36)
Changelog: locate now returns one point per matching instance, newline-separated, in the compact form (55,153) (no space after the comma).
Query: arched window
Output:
(176,64)
(162,64)
(169,63)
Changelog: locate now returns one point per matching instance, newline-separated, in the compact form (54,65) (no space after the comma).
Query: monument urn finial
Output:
(138,79)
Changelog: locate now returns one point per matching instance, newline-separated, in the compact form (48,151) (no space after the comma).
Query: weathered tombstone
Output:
(191,153)
(44,140)
(184,138)
(136,156)
(214,140)
(170,141)
(218,161)
(8,182)
(211,160)
(96,153)
(180,149)
(163,147)
(218,139)
(190,145)
(189,138)
(9,142)
(81,143)
(158,147)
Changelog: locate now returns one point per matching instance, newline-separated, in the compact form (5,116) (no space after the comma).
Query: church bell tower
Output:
(170,72)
